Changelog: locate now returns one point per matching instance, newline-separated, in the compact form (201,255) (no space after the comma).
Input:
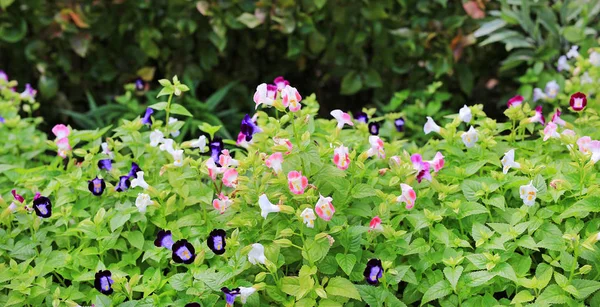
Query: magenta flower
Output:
(550,131)
(17,197)
(515,101)
(264,95)
(557,120)
(422,167)
(280,83)
(578,101)
(538,117)
(61,131)
(375,224)
(291,98)
(296,182)
(324,208)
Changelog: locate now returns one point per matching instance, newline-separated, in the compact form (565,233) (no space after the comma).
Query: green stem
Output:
(168,110)
(574,266)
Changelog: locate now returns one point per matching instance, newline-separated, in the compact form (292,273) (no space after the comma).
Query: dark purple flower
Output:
(399,123)
(139,85)
(133,171)
(230,295)
(374,128)
(373,271)
(147,119)
(164,239)
(216,146)
(123,184)
(96,186)
(249,128)
(280,83)
(192,305)
(42,206)
(183,252)
(216,241)
(105,164)
(361,117)
(17,197)
(103,282)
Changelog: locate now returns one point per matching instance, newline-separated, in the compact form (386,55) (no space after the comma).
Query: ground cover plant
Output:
(299,210)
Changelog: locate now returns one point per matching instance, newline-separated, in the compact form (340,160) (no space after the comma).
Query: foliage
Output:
(477,234)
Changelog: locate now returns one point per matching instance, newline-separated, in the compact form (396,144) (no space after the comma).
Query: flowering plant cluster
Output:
(308,211)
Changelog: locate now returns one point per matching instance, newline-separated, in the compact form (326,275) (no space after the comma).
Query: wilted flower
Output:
(164,239)
(309,217)
(230,295)
(274,162)
(156,137)
(563,64)
(296,182)
(375,224)
(578,101)
(361,117)
(324,208)
(245,292)
(290,97)
(341,158)
(515,101)
(342,118)
(142,201)
(376,147)
(528,194)
(147,119)
(139,181)
(373,272)
(216,241)
(508,161)
(550,131)
(262,96)
(573,53)
(123,184)
(408,196)
(431,126)
(103,282)
(42,206)
(249,128)
(266,206)
(538,117)
(96,186)
(183,252)
(105,164)
(399,123)
(465,114)
(374,128)
(257,254)
(469,138)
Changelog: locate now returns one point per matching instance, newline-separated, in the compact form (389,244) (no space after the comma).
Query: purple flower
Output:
(192,305)
(361,117)
(103,282)
(123,184)
(3,75)
(96,186)
(105,164)
(164,239)
(422,167)
(147,119)
(280,83)
(2,119)
(29,93)
(373,271)
(374,128)
(230,295)
(399,123)
(216,241)
(216,146)
(42,206)
(134,169)
(249,128)
(183,252)
(139,85)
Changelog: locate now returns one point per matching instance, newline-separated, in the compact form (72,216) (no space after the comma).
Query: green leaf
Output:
(351,83)
(362,190)
(320,3)
(453,274)
(135,238)
(249,20)
(6,3)
(159,106)
(346,262)
(181,110)
(118,220)
(372,78)
(471,208)
(478,278)
(585,287)
(574,34)
(374,296)
(439,290)
(180,281)
(342,287)
(489,27)
(522,297)
(553,295)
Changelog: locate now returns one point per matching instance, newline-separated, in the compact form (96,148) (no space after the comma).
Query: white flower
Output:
(200,143)
(143,201)
(156,137)
(139,181)
(431,126)
(376,147)
(106,151)
(465,114)
(12,207)
(573,52)
(508,161)
(342,118)
(470,137)
(563,64)
(167,145)
(538,94)
(266,206)
(173,120)
(257,254)
(585,78)
(552,89)
(245,292)
(528,194)
(595,58)
(309,217)
(598,237)
(177,157)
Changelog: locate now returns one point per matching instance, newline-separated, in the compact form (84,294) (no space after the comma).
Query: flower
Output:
(3,75)
(573,52)
(538,94)
(563,64)
(249,128)
(230,295)
(361,117)
(422,167)
(261,96)
(374,128)
(200,143)
(156,137)
(216,241)
(290,97)
(376,147)
(557,120)
(216,146)
(16,196)
(241,140)
(225,160)
(167,145)
(96,186)
(245,292)
(173,120)
(139,181)
(139,84)
(578,101)
(105,164)
(437,162)
(470,137)
(341,158)
(147,119)
(230,177)
(465,114)
(431,126)
(257,254)
(538,117)
(324,208)
(508,161)
(309,217)
(375,224)
(134,170)
(12,207)
(213,169)
(123,184)
(280,83)
(595,58)
(274,162)
(373,271)
(584,144)
(550,131)
(103,282)
(594,148)
(142,201)
(399,123)
(222,203)
(42,206)
(528,194)
(29,93)
(266,206)
(177,157)
(585,78)
(296,182)
(63,147)
(515,101)
(183,252)
(408,196)
(106,150)
(286,142)
(164,238)
(2,120)
(552,89)
(194,304)
(61,131)
(342,118)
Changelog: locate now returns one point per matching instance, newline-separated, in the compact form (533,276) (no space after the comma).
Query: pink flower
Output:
(222,203)
(594,148)
(375,224)
(230,177)
(17,197)
(578,101)
(63,147)
(226,160)
(342,118)
(274,162)
(213,169)
(291,98)
(568,132)
(515,101)
(437,162)
(296,182)
(324,208)
(422,167)
(286,142)
(408,196)
(557,120)
(341,158)
(394,161)
(241,140)
(376,147)
(538,117)
(262,96)
(280,83)
(550,131)
(584,143)
(61,131)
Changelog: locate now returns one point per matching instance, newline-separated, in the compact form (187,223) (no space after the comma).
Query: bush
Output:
(308,211)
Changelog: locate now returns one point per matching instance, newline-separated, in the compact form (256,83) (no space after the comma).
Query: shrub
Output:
(308,211)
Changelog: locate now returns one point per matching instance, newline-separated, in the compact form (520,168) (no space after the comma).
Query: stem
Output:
(168,110)
(574,266)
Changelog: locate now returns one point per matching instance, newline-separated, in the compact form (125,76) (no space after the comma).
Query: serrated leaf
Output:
(346,262)
(342,287)
(438,290)
(453,275)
